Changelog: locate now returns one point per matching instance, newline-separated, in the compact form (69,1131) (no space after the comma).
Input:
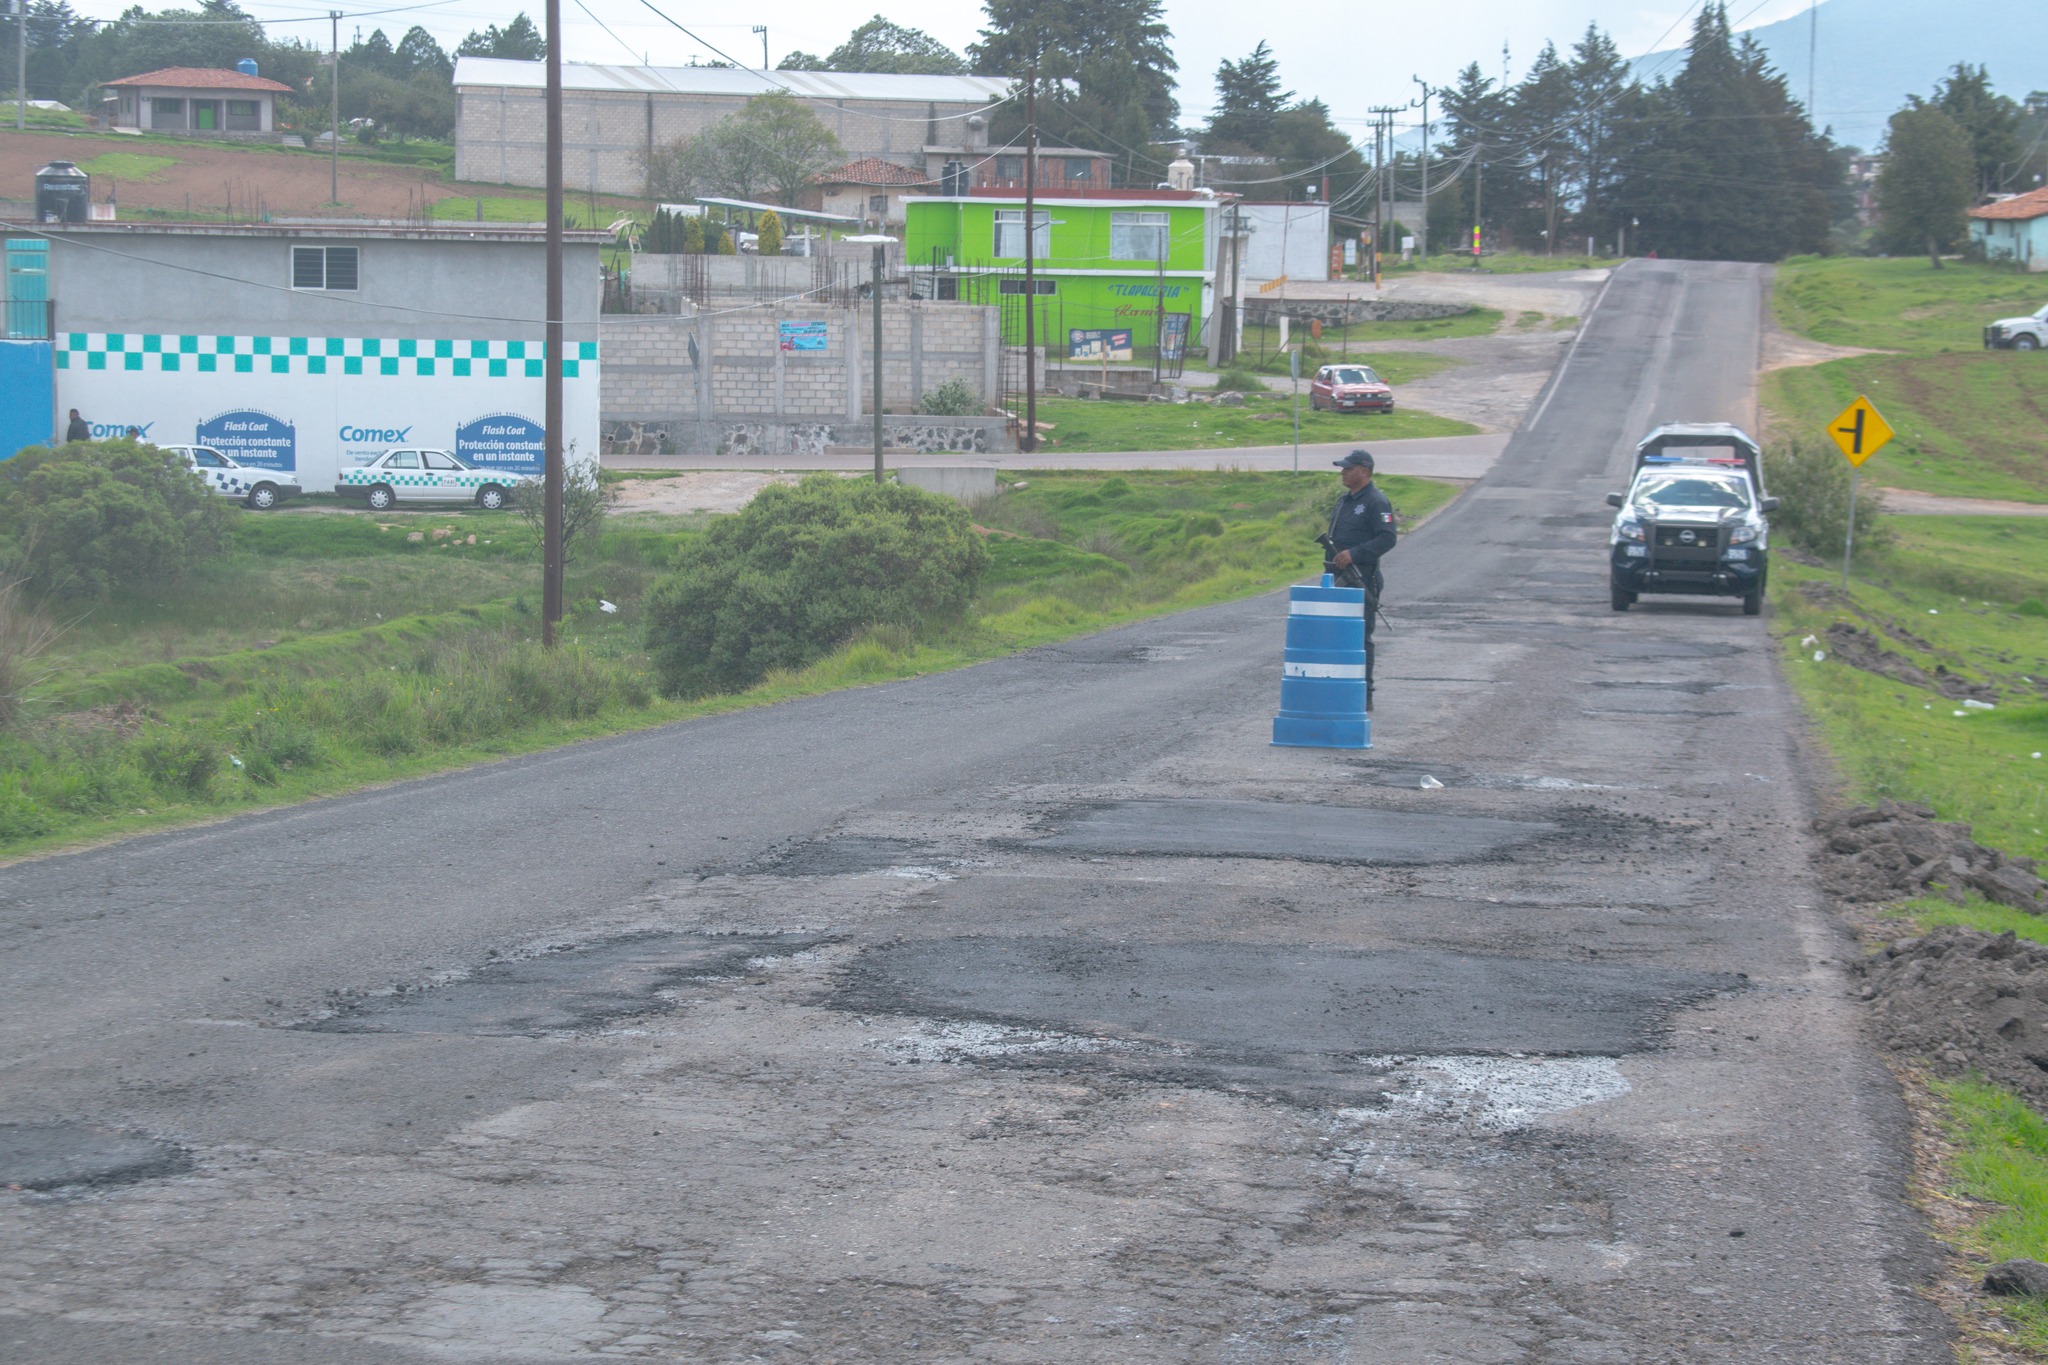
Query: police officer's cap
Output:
(1357,459)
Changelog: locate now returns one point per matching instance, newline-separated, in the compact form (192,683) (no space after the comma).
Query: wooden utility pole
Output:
(551,368)
(1422,233)
(1030,441)
(1478,176)
(333,106)
(20,65)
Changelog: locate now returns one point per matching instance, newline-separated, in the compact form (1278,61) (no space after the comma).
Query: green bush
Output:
(88,520)
(803,570)
(1810,479)
(954,398)
(1239,381)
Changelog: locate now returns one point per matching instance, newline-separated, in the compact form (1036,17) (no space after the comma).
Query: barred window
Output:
(324,267)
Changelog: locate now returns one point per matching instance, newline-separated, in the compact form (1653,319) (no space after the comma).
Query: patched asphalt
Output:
(1272,829)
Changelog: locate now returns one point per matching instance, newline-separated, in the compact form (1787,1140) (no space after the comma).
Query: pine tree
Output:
(1248,100)
(768,234)
(692,238)
(1118,55)
(1990,120)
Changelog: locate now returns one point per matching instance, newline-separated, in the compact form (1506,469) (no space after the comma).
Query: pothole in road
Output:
(855,856)
(1411,772)
(573,990)
(53,1156)
(1293,1019)
(1489,1094)
(1269,829)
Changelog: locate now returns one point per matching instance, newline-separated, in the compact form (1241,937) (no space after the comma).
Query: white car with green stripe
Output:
(414,474)
(257,489)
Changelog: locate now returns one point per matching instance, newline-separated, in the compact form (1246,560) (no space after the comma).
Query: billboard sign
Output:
(261,439)
(503,440)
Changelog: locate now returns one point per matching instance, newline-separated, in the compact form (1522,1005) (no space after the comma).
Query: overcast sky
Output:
(1351,58)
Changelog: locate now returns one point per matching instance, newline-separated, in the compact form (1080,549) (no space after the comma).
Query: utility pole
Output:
(20,65)
(551,369)
(334,106)
(1478,179)
(1422,233)
(1383,189)
(1812,57)
(762,29)
(1030,441)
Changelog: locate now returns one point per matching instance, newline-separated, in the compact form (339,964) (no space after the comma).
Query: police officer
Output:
(1361,531)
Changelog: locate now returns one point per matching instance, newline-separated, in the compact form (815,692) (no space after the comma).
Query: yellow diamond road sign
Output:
(1860,431)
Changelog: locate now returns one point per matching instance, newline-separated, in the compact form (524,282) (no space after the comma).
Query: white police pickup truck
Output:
(257,489)
(2029,333)
(413,474)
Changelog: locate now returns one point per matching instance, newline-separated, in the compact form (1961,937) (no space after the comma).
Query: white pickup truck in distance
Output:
(2029,333)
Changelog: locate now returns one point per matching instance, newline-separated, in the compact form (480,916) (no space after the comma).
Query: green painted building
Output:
(1110,262)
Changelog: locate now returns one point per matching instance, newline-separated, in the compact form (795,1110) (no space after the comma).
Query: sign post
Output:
(1294,377)
(1859,431)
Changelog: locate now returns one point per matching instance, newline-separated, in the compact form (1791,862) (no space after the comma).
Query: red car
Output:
(1349,388)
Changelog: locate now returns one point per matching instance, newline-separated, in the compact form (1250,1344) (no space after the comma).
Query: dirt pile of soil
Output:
(1966,1001)
(1859,648)
(1897,848)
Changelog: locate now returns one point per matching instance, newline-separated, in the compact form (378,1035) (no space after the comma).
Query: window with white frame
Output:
(1010,233)
(1137,236)
(324,267)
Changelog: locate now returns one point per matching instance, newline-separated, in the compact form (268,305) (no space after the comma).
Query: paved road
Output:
(1441,457)
(1034,1012)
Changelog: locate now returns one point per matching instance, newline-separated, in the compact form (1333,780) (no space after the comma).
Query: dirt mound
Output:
(1896,849)
(1860,648)
(1966,1001)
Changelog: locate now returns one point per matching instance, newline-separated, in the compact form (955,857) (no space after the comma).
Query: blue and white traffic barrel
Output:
(1322,671)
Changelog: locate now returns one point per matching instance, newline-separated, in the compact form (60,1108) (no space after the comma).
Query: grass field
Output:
(331,650)
(1262,351)
(1899,305)
(1970,422)
(127,165)
(1499,263)
(1084,425)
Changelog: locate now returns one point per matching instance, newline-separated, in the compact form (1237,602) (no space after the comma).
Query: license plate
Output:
(1635,551)
(1738,554)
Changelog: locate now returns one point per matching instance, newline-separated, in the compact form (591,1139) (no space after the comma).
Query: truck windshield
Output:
(1692,490)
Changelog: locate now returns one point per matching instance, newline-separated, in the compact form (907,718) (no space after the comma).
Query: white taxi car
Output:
(412,474)
(258,489)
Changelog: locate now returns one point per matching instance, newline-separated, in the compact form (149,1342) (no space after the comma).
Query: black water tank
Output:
(62,192)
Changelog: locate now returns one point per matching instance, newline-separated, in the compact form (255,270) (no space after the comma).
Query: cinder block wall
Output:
(741,369)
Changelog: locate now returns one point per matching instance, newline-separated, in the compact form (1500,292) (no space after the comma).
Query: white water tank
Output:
(1181,174)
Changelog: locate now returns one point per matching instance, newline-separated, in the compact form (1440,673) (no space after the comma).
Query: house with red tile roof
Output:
(871,189)
(196,101)
(2014,229)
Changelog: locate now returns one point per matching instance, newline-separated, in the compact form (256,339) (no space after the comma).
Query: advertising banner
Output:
(314,406)
(1173,337)
(1098,343)
(802,336)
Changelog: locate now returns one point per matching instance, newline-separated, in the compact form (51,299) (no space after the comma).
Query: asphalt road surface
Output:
(1035,1012)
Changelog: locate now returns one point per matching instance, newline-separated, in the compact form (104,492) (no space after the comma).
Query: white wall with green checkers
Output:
(318,405)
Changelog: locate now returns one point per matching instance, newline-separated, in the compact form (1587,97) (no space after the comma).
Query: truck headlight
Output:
(1742,535)
(1629,530)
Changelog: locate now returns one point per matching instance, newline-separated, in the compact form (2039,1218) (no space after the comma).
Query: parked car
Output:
(2029,333)
(1350,388)
(258,489)
(413,474)
(1694,518)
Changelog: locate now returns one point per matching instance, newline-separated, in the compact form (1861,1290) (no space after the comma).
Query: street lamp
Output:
(881,243)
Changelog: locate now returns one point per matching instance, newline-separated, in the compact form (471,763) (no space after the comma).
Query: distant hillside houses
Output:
(614,117)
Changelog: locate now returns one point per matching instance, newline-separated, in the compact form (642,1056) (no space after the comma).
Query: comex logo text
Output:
(377,435)
(109,431)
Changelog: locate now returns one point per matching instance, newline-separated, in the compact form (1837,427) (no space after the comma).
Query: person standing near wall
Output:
(79,430)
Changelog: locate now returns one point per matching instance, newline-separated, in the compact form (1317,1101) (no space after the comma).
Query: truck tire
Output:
(2024,343)
(1621,598)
